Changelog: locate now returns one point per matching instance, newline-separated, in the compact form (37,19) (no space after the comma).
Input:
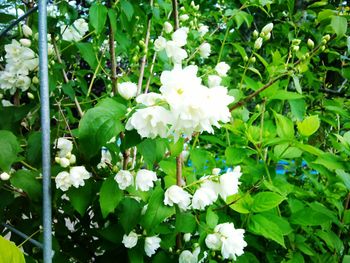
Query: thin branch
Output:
(175,15)
(179,170)
(112,55)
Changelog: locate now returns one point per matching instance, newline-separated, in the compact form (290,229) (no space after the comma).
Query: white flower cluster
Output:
(20,61)
(151,243)
(211,187)
(76,31)
(75,177)
(227,239)
(184,106)
(143,181)
(64,156)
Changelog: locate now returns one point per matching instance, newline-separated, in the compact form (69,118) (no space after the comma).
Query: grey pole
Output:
(45,126)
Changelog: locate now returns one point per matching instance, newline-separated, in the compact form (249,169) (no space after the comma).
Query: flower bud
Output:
(258,43)
(25,42)
(322,48)
(168,28)
(184,17)
(267,36)
(295,48)
(27,31)
(35,80)
(57,160)
(4,176)
(1,96)
(245,58)
(255,33)
(310,43)
(253,60)
(30,95)
(327,37)
(72,159)
(36,36)
(296,42)
(267,29)
(64,162)
(216,171)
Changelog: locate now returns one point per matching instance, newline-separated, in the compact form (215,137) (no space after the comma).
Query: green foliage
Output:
(9,149)
(9,252)
(110,196)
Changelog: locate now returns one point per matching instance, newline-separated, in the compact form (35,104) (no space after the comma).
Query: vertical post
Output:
(45,127)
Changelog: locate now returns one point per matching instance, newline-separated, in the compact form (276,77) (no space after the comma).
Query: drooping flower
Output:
(176,195)
(130,240)
(127,90)
(180,36)
(124,179)
(4,176)
(144,180)
(187,256)
(76,31)
(151,245)
(175,52)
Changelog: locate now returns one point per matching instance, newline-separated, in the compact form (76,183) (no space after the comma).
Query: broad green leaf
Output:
(241,203)
(156,211)
(211,218)
(9,149)
(185,223)
(99,125)
(331,239)
(264,201)
(330,161)
(130,211)
(325,14)
(344,176)
(282,223)
(263,226)
(28,182)
(309,217)
(285,95)
(98,16)
(81,197)
(309,125)
(87,52)
(152,150)
(110,196)
(33,153)
(177,147)
(298,108)
(9,252)
(297,84)
(285,127)
(309,148)
(112,20)
(234,155)
(241,50)
(127,8)
(136,254)
(339,25)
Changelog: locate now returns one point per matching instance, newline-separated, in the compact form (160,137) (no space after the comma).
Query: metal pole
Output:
(45,126)
(19,233)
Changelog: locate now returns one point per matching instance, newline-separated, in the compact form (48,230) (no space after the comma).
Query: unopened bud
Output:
(4,176)
(255,33)
(295,48)
(322,48)
(267,36)
(310,43)
(267,29)
(57,160)
(168,28)
(258,43)
(64,162)
(253,60)
(35,80)
(27,31)
(327,37)
(25,42)
(245,58)
(1,96)
(324,42)
(30,95)
(72,159)
(296,42)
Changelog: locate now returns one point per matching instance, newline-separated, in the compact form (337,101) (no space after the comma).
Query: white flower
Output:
(23,82)
(63,181)
(168,28)
(267,29)
(78,174)
(174,52)
(187,237)
(144,180)
(151,122)
(124,179)
(258,43)
(159,44)
(213,81)
(127,90)
(149,99)
(130,240)
(106,158)
(203,197)
(187,256)
(204,50)
(213,241)
(203,29)
(6,103)
(151,245)
(27,31)
(184,17)
(4,176)
(176,195)
(65,146)
(25,42)
(180,36)
(76,31)
(229,182)
(64,162)
(216,171)
(222,69)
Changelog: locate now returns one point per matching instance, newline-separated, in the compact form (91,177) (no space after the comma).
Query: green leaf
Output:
(99,125)
(152,150)
(297,84)
(211,218)
(285,95)
(264,201)
(185,223)
(331,239)
(339,25)
(309,217)
(33,153)
(240,203)
(110,196)
(298,108)
(87,52)
(330,161)
(98,16)
(240,50)
(285,127)
(282,223)
(202,160)
(235,155)
(309,125)
(9,148)
(112,20)
(177,147)
(81,197)
(127,9)
(156,211)
(26,180)
(130,211)
(261,225)
(9,252)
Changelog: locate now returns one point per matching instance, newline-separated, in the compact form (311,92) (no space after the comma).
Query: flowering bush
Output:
(202,131)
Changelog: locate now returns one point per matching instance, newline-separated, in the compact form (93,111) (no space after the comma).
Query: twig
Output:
(112,55)
(179,170)
(66,122)
(175,15)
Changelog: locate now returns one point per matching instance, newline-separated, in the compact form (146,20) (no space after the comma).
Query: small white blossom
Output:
(187,256)
(4,176)
(204,50)
(184,17)
(151,245)
(213,241)
(27,31)
(130,240)
(78,174)
(174,52)
(214,81)
(180,36)
(127,90)
(64,162)
(63,181)
(65,146)
(187,237)
(216,171)
(168,28)
(149,99)
(222,69)
(203,197)
(229,182)
(203,29)
(176,195)
(124,179)
(159,44)
(144,180)
(25,42)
